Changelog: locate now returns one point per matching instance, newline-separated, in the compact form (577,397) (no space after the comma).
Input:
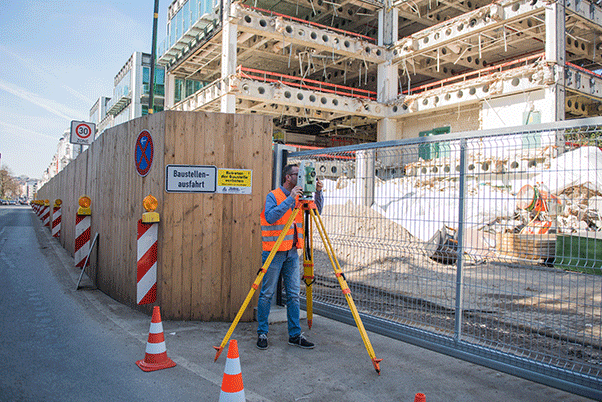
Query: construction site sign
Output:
(234,181)
(190,179)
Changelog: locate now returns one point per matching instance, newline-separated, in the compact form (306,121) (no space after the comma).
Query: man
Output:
(279,205)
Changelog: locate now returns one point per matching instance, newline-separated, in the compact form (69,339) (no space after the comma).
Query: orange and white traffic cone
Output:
(232,387)
(420,397)
(156,352)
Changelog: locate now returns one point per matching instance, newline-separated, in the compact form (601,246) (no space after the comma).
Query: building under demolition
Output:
(346,71)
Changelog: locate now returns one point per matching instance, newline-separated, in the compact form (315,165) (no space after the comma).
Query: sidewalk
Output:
(338,369)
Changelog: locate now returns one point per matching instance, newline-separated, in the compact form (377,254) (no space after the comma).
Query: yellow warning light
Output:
(150,203)
(46,201)
(85,201)
(58,202)
(84,205)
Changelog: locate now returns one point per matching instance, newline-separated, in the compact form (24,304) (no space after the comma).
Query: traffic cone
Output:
(232,387)
(419,397)
(156,352)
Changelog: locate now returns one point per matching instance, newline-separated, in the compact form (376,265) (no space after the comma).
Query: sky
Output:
(57,57)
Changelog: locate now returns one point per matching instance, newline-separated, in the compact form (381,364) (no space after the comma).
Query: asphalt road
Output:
(54,344)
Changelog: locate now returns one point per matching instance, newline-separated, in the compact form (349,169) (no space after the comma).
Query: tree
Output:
(9,187)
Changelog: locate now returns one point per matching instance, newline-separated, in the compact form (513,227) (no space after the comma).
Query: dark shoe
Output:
(300,341)
(262,341)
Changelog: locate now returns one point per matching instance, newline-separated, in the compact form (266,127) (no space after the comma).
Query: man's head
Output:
(289,175)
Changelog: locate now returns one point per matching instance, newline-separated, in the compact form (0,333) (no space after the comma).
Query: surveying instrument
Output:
(307,180)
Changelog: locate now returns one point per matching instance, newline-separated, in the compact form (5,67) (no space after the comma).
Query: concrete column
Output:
(388,25)
(364,177)
(229,35)
(556,54)
(386,130)
(170,90)
(387,74)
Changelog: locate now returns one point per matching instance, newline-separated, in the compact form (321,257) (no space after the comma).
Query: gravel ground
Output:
(520,306)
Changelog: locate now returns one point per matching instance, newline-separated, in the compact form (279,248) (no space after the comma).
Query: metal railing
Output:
(304,83)
(483,245)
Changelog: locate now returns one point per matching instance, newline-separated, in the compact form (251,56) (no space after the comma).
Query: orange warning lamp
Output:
(150,203)
(47,203)
(84,205)
(58,202)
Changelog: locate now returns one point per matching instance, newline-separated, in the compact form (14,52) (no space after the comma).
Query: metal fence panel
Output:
(484,245)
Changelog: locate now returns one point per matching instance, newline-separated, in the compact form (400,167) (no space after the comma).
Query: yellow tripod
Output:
(310,210)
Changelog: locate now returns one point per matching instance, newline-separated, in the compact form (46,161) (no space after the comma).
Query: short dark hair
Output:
(286,171)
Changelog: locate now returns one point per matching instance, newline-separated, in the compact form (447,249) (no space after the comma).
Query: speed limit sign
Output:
(82,132)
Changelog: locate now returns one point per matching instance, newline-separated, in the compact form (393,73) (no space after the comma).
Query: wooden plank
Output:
(188,202)
(199,222)
(177,224)
(228,244)
(212,245)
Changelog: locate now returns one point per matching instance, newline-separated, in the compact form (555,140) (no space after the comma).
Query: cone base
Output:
(144,366)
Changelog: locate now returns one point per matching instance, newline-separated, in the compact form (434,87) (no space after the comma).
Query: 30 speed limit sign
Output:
(82,132)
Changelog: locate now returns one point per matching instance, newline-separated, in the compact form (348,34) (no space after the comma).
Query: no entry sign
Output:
(82,132)
(144,153)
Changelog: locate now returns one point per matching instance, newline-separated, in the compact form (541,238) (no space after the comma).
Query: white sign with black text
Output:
(190,179)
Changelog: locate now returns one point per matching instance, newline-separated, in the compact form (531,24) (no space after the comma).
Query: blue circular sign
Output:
(144,153)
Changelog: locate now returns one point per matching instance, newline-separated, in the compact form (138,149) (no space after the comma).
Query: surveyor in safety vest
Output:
(279,205)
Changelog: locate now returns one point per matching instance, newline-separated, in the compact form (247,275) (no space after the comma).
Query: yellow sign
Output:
(237,181)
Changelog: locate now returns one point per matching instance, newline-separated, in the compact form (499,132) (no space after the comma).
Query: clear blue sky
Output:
(57,58)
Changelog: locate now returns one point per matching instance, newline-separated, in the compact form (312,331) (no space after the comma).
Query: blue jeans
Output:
(286,262)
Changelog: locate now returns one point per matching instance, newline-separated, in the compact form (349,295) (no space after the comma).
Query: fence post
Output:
(459,276)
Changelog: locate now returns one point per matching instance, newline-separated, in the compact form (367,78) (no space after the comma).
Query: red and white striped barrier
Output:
(147,263)
(83,220)
(56,219)
(82,239)
(46,214)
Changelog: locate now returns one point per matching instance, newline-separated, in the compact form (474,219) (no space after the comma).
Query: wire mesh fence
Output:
(491,241)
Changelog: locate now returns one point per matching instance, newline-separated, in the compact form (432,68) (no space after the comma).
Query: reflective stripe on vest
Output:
(271,232)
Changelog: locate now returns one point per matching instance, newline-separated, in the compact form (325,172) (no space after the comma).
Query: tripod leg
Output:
(308,265)
(345,288)
(256,283)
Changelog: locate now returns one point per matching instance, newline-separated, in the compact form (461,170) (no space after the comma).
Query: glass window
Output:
(186,17)
(123,87)
(178,90)
(185,88)
(194,11)
(178,32)
(159,81)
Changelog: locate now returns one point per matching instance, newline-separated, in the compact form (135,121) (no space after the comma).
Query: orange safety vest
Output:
(270,232)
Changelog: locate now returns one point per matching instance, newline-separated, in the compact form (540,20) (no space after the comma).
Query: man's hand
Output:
(296,191)
(319,184)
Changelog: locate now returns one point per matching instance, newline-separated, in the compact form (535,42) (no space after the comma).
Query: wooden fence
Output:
(209,243)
